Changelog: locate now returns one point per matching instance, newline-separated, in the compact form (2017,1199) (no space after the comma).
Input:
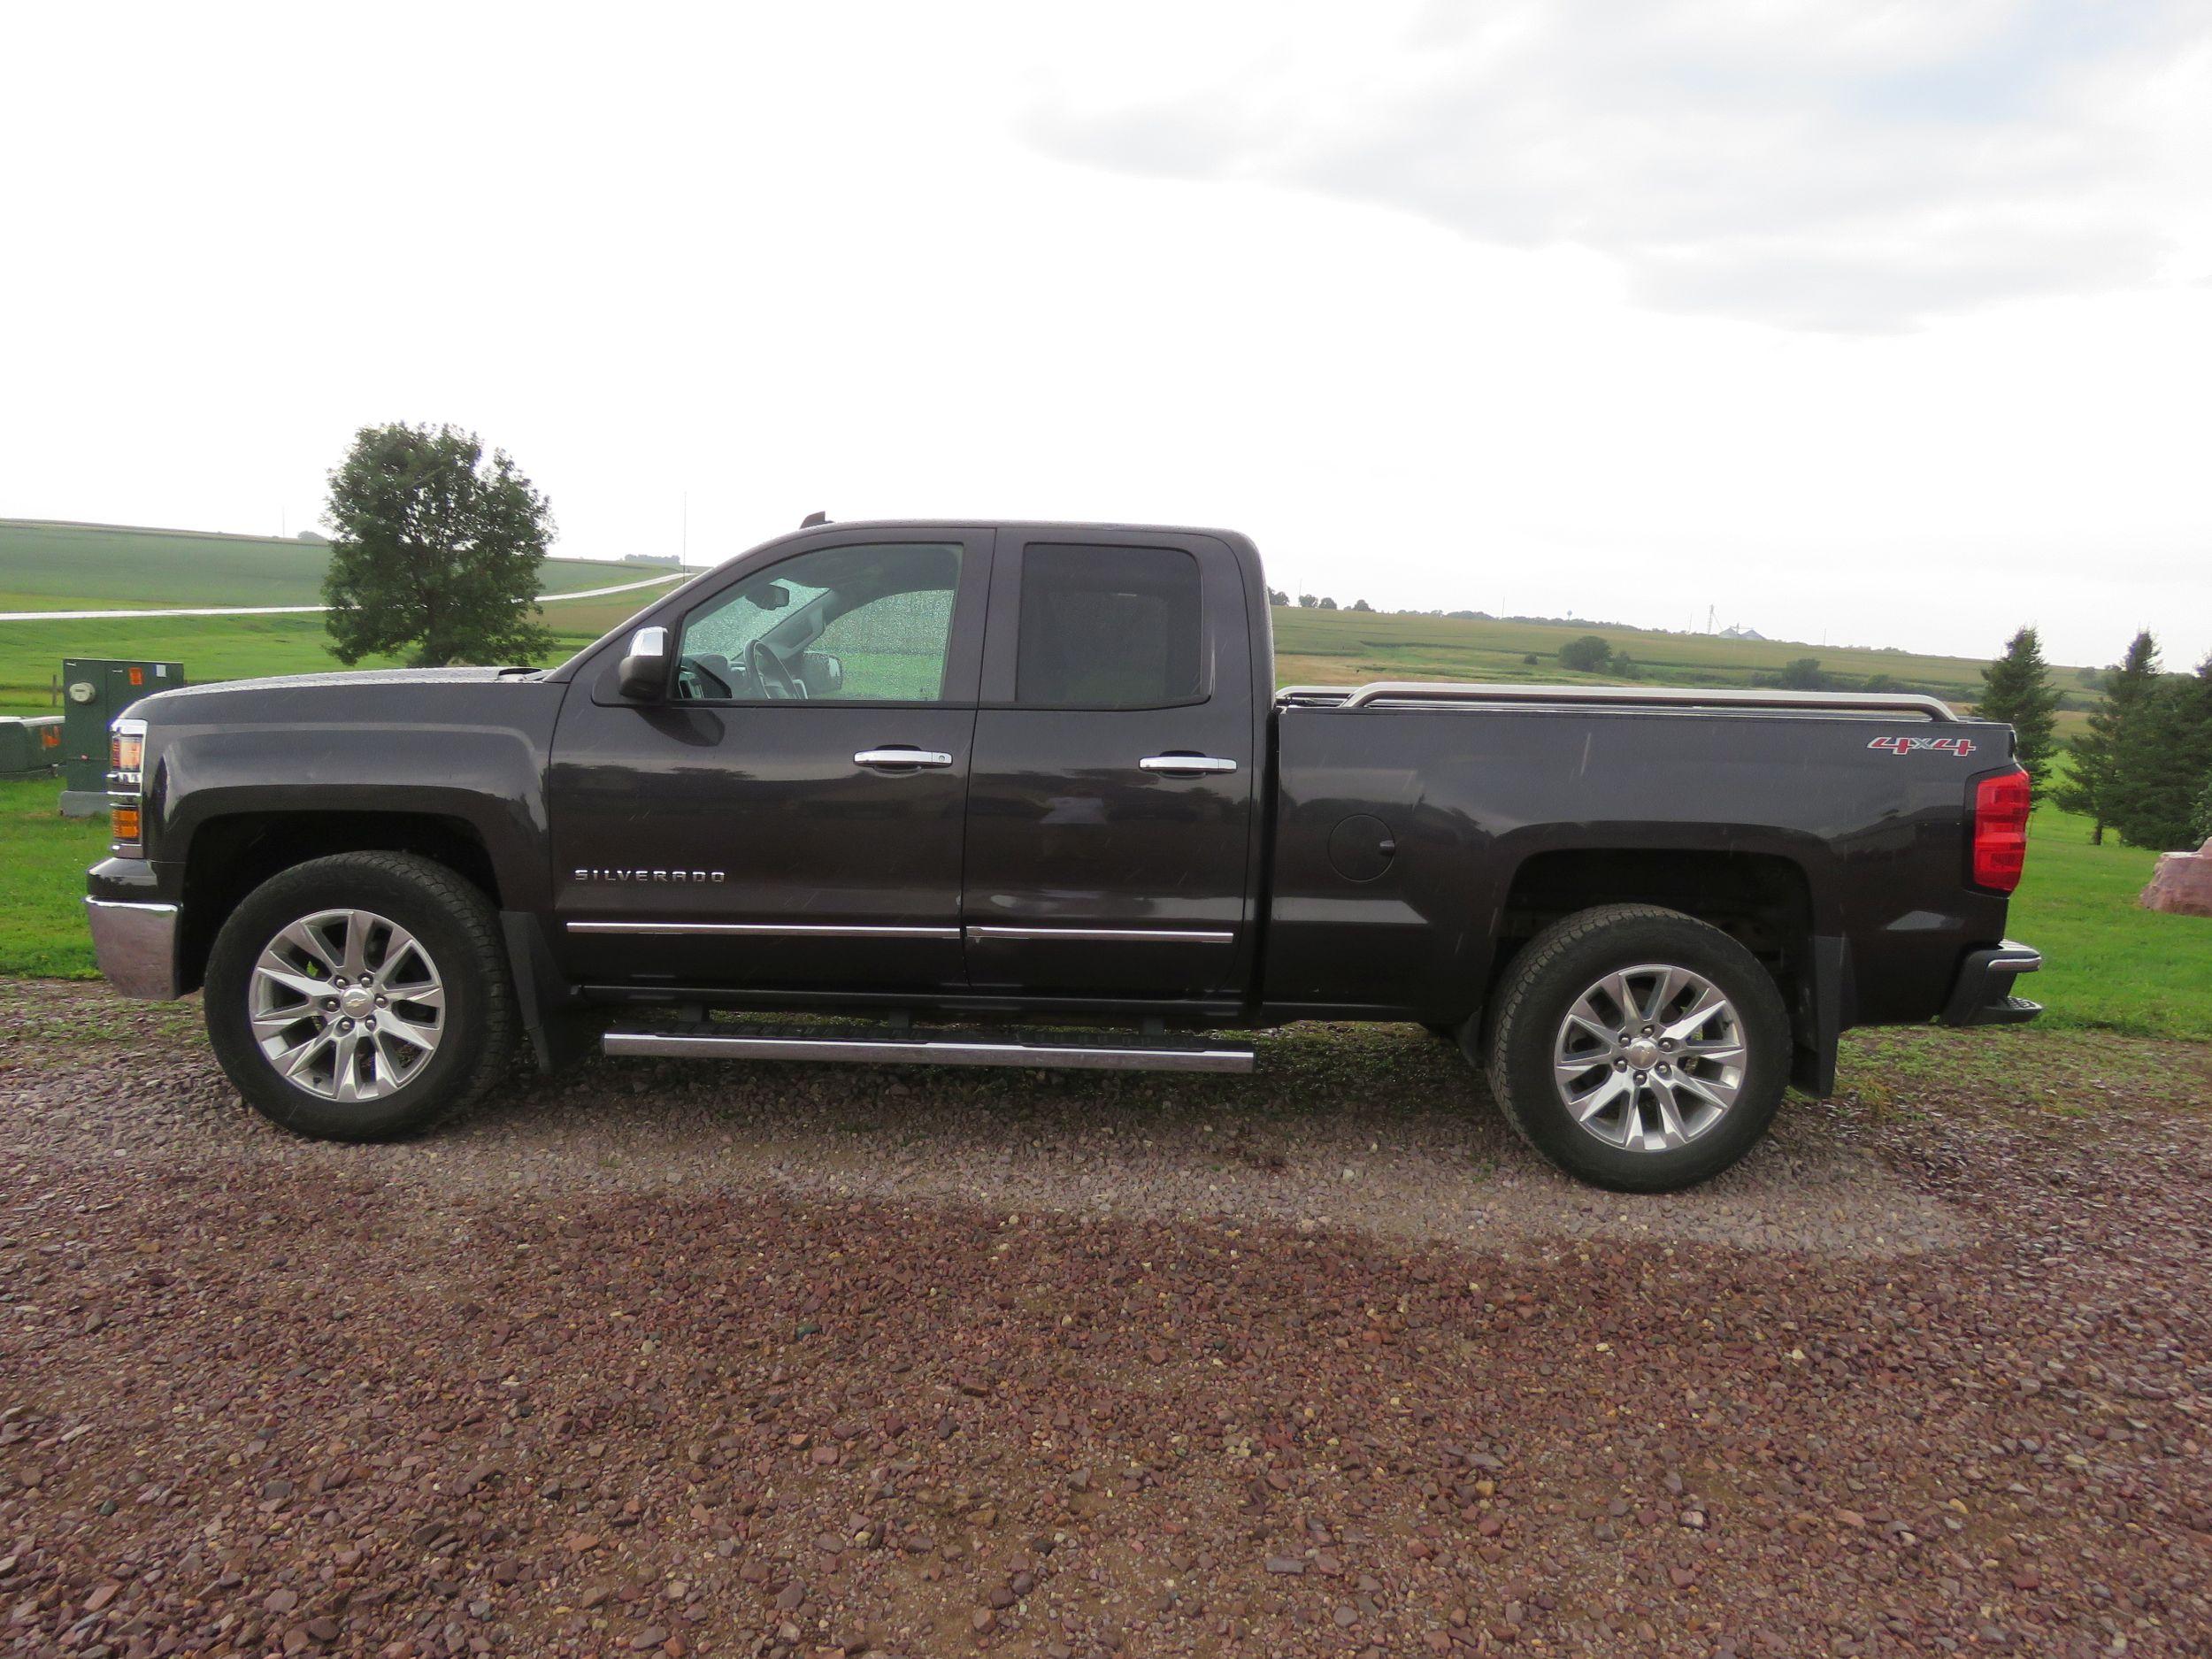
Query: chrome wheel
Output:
(1649,1058)
(346,1004)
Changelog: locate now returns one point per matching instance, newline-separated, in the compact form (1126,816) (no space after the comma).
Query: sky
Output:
(1876,324)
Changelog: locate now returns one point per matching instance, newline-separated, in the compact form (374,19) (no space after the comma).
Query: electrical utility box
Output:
(95,690)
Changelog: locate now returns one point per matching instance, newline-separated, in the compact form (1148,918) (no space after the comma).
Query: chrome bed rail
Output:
(1414,693)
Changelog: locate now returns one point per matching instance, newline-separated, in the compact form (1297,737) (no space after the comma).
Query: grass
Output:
(1348,647)
(43,856)
(71,567)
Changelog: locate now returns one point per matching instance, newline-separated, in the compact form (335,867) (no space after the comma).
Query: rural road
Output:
(706,1359)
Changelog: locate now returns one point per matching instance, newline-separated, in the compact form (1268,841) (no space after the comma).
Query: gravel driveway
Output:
(719,1359)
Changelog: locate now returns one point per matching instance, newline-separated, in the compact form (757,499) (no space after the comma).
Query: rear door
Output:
(1110,798)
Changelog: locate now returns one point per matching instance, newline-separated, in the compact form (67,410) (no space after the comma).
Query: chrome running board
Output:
(887,1044)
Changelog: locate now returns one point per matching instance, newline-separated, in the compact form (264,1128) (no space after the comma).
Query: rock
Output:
(2182,883)
(323,1629)
(281,1600)
(99,1598)
(1286,1564)
(651,1636)
(981,1620)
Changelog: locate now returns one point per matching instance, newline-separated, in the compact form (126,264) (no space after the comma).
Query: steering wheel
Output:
(769,674)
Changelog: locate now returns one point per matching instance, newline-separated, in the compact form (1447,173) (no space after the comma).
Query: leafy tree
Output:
(2092,788)
(435,549)
(1277,598)
(2162,760)
(1328,603)
(1361,604)
(2201,820)
(1587,654)
(1532,659)
(1306,601)
(2016,689)
(1802,674)
(1622,665)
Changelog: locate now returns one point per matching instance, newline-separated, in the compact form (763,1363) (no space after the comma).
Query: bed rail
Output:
(1401,694)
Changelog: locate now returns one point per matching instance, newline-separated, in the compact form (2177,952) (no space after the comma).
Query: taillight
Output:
(2001,829)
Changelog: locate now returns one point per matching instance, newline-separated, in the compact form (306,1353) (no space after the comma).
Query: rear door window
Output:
(1109,627)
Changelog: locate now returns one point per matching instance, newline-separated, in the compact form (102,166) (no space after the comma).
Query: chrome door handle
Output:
(903,759)
(1193,763)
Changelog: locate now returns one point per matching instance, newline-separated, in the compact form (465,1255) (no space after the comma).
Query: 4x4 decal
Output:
(1960,746)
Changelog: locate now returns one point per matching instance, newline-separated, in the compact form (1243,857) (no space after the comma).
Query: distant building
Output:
(313,538)
(1741,634)
(669,560)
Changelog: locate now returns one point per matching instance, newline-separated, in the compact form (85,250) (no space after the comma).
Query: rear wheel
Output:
(1639,1049)
(361,996)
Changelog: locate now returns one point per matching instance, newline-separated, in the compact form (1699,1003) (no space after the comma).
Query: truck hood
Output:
(364,692)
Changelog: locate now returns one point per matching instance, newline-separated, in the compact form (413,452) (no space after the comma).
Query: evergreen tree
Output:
(2201,820)
(2163,762)
(2093,788)
(2016,689)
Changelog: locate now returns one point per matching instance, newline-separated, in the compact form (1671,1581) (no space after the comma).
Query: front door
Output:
(1111,809)
(790,817)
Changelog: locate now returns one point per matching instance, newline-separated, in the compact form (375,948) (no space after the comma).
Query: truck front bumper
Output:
(1983,994)
(136,945)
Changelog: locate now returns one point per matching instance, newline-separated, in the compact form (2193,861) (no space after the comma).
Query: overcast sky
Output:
(1891,324)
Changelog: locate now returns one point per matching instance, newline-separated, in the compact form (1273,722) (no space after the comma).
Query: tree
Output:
(1587,654)
(2201,820)
(1532,659)
(1802,674)
(1306,601)
(2161,761)
(1361,604)
(1328,603)
(435,550)
(1277,598)
(2092,788)
(2016,689)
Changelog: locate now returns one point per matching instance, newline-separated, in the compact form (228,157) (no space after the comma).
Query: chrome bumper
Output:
(136,946)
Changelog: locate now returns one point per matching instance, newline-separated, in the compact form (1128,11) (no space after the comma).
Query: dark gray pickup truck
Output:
(1026,794)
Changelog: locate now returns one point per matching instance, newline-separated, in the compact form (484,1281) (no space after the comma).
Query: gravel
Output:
(705,1359)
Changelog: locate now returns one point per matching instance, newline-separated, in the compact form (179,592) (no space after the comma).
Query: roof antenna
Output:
(813,518)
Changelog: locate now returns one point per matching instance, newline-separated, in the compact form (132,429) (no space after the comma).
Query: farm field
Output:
(54,567)
(68,567)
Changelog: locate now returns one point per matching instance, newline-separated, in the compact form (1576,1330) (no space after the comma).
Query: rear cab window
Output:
(1109,627)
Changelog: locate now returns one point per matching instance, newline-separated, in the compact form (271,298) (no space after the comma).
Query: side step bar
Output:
(1107,1051)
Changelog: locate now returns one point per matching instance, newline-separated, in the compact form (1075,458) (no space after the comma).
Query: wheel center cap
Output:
(357,1003)
(1643,1054)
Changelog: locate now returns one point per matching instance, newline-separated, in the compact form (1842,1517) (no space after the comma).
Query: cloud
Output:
(1830,165)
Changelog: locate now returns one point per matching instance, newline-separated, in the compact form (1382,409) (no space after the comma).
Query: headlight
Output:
(126,772)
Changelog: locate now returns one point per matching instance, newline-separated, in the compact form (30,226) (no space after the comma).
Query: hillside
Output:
(1351,646)
(46,566)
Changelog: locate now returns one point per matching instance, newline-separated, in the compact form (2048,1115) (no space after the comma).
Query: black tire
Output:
(1554,969)
(455,924)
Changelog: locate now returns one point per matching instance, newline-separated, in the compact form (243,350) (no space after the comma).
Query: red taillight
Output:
(2000,831)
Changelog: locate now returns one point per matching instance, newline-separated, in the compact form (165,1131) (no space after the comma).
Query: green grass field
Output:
(68,567)
(62,567)
(2112,965)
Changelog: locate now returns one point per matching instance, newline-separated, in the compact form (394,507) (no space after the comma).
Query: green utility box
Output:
(95,690)
(30,747)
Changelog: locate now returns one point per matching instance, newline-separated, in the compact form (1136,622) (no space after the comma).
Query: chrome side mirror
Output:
(643,675)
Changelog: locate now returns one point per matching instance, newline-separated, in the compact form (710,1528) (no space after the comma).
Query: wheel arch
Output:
(233,854)
(1768,901)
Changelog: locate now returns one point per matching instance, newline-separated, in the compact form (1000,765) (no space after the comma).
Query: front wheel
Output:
(360,996)
(1639,1049)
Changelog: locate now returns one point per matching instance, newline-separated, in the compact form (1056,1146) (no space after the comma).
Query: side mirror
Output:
(643,675)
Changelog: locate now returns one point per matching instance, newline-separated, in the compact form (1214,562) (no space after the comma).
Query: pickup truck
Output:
(1013,794)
